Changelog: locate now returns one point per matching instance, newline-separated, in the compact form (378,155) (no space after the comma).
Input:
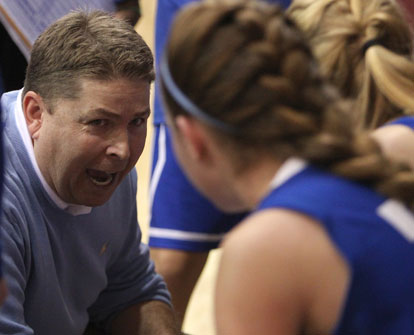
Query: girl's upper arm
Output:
(269,274)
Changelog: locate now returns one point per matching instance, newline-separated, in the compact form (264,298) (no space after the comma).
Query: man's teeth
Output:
(102,181)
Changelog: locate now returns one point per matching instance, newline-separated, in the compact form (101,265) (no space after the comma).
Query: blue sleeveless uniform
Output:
(181,218)
(404,121)
(374,234)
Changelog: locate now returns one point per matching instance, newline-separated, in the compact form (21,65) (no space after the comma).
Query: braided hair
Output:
(366,49)
(246,65)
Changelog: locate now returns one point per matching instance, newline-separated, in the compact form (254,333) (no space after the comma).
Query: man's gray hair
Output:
(86,45)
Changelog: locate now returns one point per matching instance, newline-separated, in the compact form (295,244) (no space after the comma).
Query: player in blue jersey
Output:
(186,226)
(329,247)
(369,55)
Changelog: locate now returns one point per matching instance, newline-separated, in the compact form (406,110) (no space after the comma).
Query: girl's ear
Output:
(33,108)
(193,136)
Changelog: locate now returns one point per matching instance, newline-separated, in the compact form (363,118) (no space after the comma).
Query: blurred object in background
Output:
(408,6)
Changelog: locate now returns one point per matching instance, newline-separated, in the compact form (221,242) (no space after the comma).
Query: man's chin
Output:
(95,196)
(95,202)
(91,200)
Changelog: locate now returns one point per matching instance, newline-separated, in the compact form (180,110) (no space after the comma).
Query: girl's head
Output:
(366,49)
(248,75)
(240,78)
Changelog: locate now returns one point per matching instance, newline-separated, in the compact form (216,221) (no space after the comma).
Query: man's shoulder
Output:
(17,211)
(19,195)
(8,99)
(16,195)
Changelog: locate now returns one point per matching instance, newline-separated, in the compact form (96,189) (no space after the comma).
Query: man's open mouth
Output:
(100,178)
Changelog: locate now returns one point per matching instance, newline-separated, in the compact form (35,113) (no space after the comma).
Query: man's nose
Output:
(119,146)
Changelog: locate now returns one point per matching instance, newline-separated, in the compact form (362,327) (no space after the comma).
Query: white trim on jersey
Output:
(291,167)
(184,235)
(398,216)
(162,158)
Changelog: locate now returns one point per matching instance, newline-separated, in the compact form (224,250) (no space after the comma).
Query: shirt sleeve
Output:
(131,278)
(12,320)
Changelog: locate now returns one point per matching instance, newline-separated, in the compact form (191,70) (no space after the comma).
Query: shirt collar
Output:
(24,133)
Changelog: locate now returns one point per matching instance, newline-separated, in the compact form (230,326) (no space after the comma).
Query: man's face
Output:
(85,147)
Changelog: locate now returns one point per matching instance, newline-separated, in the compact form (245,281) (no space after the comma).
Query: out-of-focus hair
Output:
(247,66)
(366,49)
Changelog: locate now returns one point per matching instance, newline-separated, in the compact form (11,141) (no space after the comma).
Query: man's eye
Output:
(98,122)
(138,121)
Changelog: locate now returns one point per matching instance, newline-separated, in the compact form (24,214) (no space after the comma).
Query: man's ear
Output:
(33,108)
(193,136)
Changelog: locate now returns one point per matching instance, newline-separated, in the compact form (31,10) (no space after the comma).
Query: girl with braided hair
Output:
(183,229)
(366,49)
(328,247)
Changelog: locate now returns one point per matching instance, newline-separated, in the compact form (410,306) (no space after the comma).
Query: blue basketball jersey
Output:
(374,234)
(404,120)
(186,221)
